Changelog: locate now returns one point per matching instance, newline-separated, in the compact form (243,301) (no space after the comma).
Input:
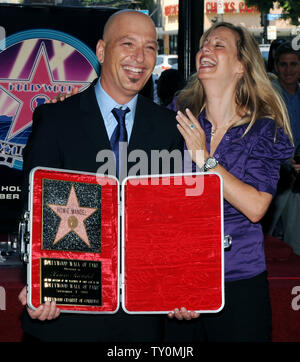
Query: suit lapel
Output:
(93,124)
(94,129)
(142,128)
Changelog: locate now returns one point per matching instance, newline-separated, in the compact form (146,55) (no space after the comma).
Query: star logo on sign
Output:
(39,87)
(72,217)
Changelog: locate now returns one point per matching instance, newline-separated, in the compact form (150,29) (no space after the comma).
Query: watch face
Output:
(211,162)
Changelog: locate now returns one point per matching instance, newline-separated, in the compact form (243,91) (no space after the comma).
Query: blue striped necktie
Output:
(119,134)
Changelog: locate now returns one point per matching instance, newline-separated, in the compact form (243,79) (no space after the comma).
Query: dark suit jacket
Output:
(69,135)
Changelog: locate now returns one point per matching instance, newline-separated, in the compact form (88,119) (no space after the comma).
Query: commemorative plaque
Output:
(71,218)
(71,221)
(73,282)
(81,256)
(70,261)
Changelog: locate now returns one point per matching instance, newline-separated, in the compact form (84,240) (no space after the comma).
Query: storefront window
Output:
(173,44)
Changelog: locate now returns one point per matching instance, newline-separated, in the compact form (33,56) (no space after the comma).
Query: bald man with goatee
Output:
(70,134)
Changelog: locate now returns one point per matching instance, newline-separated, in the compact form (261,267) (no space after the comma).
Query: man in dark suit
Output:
(72,134)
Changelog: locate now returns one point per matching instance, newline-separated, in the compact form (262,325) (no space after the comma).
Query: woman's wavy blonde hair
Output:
(255,94)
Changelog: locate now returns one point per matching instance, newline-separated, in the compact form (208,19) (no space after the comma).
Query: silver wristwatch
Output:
(211,162)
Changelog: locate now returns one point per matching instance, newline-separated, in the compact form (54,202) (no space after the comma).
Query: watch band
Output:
(210,163)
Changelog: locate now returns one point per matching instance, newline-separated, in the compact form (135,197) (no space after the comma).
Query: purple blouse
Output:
(254,159)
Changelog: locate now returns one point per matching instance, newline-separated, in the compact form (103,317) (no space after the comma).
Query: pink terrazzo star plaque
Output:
(71,216)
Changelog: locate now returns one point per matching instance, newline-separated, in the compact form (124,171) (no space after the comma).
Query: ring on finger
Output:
(192,126)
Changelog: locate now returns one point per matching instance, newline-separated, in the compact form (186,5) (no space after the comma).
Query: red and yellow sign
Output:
(230,7)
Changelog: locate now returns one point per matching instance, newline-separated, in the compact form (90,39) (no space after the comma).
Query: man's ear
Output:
(100,50)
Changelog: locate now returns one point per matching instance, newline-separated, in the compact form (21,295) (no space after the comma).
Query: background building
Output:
(235,12)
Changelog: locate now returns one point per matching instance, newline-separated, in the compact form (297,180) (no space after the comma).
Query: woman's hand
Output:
(193,135)
(62,96)
(182,313)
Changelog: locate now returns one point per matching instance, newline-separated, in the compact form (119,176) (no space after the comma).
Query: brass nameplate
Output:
(71,282)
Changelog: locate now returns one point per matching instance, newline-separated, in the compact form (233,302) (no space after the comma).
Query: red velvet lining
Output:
(173,247)
(109,239)
(173,244)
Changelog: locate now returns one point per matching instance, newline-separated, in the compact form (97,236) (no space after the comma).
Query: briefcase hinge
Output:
(120,284)
(120,208)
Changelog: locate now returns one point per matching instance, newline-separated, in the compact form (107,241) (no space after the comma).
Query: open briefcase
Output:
(154,243)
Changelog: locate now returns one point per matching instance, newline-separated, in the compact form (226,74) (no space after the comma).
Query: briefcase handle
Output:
(23,237)
(227,241)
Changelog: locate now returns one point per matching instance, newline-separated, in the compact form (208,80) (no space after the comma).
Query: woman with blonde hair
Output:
(230,112)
